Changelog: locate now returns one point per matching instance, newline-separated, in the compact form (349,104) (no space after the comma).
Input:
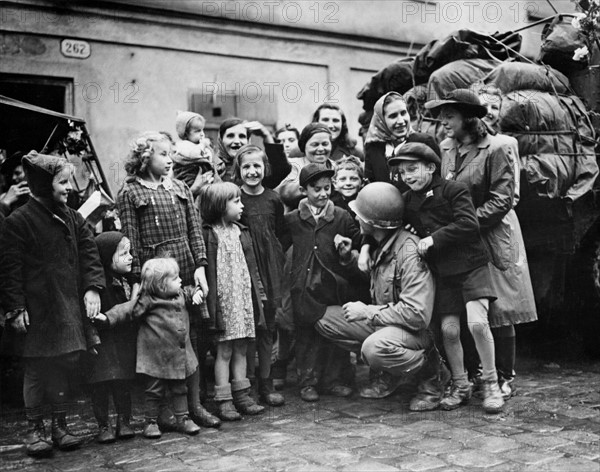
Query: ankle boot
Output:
(433,377)
(267,393)
(185,425)
(124,429)
(61,436)
(36,444)
(105,434)
(202,417)
(227,411)
(242,400)
(166,419)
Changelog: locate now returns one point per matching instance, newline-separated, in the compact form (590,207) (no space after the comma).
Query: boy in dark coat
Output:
(318,279)
(51,278)
(443,215)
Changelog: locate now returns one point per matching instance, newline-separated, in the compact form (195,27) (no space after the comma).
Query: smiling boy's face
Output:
(347,182)
(416,174)
(317,192)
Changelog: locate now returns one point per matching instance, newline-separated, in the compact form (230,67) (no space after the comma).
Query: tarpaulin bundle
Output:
(396,77)
(458,74)
(556,142)
(511,76)
(559,42)
(464,44)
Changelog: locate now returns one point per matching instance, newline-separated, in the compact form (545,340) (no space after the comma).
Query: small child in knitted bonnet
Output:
(193,153)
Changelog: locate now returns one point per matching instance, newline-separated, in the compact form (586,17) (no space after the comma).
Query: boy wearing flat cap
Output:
(443,215)
(319,281)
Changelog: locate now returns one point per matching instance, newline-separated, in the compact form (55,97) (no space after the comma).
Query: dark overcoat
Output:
(318,278)
(446,213)
(48,263)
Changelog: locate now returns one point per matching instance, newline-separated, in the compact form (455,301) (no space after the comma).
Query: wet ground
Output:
(552,424)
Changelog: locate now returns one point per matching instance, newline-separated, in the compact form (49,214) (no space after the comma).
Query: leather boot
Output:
(105,434)
(267,393)
(124,429)
(61,436)
(227,411)
(433,377)
(36,444)
(166,419)
(185,425)
(244,403)
(202,417)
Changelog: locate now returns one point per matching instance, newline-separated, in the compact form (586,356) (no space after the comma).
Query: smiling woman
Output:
(334,118)
(389,127)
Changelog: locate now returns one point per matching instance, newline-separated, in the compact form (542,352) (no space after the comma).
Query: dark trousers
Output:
(46,380)
(121,394)
(156,391)
(319,363)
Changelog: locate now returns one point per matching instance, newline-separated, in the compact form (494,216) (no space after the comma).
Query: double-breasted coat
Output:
(318,278)
(164,348)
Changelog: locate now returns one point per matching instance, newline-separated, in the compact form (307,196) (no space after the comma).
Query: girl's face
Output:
(122,258)
(234,138)
(347,182)
(61,186)
(318,191)
(318,148)
(397,119)
(233,210)
(416,174)
(333,120)
(160,163)
(195,132)
(172,285)
(493,104)
(289,141)
(18,175)
(252,169)
(452,121)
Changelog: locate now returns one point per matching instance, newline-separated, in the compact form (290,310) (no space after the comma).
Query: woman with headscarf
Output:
(235,133)
(334,118)
(390,126)
(482,161)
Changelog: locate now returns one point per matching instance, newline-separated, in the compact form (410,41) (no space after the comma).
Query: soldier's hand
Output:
(355,311)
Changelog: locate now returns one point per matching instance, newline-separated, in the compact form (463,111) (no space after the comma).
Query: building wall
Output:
(148,57)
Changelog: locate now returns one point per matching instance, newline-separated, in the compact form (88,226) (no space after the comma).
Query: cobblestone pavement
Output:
(553,424)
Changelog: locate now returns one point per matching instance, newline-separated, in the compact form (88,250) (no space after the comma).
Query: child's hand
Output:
(207,178)
(343,246)
(91,300)
(364,258)
(21,322)
(424,245)
(100,319)
(197,297)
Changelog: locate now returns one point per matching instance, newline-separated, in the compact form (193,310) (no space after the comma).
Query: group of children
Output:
(191,268)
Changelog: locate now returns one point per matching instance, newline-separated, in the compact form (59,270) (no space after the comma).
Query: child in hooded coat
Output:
(113,368)
(51,279)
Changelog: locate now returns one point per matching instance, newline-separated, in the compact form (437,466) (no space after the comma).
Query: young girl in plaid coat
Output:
(160,219)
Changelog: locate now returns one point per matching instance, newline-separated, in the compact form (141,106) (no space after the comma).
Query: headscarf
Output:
(378,130)
(40,170)
(309,131)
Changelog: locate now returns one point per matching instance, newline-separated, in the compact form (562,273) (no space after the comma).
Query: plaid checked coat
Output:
(161,220)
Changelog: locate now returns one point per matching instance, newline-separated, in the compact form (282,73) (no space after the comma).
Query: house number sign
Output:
(75,48)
